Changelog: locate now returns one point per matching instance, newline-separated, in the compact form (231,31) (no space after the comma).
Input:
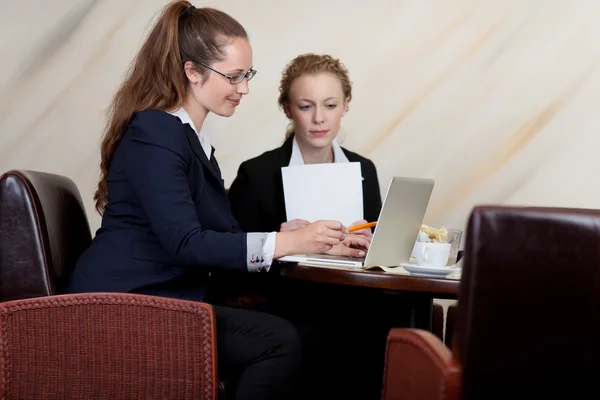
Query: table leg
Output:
(421,312)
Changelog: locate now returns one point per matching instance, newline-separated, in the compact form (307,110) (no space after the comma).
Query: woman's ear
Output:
(346,106)
(287,110)
(192,73)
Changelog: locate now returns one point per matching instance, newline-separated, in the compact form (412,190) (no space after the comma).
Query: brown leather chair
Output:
(107,346)
(528,318)
(43,230)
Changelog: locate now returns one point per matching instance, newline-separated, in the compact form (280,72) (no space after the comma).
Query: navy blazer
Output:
(167,223)
(256,194)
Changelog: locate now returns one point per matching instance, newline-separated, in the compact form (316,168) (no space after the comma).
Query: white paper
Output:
(324,191)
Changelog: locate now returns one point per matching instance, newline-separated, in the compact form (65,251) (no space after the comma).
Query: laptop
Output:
(396,232)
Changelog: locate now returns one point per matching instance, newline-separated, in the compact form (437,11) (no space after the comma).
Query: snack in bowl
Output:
(435,235)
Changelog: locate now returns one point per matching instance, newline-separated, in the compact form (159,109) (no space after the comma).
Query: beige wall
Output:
(496,100)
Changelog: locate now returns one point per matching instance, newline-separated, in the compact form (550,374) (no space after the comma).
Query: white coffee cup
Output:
(432,254)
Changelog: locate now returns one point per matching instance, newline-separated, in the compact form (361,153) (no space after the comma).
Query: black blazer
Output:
(168,221)
(256,194)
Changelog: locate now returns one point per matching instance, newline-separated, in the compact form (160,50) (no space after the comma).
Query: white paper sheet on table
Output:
(324,191)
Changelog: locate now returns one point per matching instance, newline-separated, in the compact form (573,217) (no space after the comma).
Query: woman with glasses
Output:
(166,222)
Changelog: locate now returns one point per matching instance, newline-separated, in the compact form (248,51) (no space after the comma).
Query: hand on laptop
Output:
(364,232)
(293,225)
(353,245)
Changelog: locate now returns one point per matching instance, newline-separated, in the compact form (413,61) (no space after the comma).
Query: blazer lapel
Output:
(199,152)
(285,153)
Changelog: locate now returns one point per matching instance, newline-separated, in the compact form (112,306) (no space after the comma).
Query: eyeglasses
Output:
(233,79)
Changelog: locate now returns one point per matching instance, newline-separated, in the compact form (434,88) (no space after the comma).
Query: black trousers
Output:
(260,351)
(343,332)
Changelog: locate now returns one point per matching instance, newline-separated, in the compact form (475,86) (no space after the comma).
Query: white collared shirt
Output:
(184,117)
(297,159)
(268,249)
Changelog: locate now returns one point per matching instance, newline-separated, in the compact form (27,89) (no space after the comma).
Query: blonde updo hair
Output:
(312,64)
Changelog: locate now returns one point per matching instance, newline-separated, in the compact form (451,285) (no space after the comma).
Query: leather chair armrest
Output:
(419,366)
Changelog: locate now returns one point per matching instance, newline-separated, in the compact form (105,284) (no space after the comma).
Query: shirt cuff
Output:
(261,248)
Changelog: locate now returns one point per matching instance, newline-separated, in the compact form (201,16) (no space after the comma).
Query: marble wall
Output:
(493,99)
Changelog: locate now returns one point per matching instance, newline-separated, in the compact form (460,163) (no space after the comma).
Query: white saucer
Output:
(418,270)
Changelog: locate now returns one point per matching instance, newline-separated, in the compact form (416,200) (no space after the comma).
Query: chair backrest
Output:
(528,322)
(109,346)
(43,230)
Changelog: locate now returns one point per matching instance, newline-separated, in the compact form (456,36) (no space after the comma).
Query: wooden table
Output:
(420,290)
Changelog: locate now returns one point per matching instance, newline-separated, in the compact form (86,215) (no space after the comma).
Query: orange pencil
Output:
(363,226)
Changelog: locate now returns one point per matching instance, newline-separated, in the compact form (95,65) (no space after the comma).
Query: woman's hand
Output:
(293,225)
(352,245)
(363,232)
(317,237)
